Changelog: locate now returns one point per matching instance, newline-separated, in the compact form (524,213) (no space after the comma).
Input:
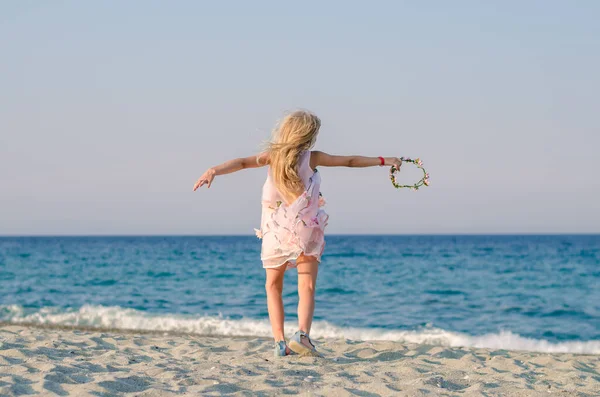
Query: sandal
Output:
(281,349)
(297,346)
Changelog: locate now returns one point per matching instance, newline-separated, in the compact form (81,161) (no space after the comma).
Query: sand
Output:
(72,362)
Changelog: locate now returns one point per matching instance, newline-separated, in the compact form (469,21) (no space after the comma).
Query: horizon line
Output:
(329,235)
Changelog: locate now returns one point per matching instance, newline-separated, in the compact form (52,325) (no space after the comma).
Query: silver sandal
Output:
(280,349)
(298,347)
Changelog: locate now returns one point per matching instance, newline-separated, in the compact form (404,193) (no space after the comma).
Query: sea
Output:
(521,292)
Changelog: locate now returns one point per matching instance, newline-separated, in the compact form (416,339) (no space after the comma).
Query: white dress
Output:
(287,231)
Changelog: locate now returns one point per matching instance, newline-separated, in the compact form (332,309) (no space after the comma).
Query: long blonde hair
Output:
(294,134)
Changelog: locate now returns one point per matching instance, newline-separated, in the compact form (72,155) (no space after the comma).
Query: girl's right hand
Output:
(205,179)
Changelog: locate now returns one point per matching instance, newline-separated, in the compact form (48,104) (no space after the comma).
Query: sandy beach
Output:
(76,362)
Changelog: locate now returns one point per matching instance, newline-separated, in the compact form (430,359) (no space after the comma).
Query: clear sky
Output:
(110,111)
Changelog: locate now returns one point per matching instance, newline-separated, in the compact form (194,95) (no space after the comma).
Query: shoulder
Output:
(316,154)
(316,157)
(328,160)
(263,158)
(319,155)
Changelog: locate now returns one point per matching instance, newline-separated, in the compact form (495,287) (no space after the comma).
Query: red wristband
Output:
(382,161)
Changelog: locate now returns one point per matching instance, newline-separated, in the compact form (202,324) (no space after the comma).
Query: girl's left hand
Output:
(205,179)
(394,162)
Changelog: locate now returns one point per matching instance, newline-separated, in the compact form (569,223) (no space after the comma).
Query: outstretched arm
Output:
(318,158)
(230,166)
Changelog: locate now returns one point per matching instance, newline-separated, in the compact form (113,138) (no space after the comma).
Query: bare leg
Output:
(274,287)
(307,281)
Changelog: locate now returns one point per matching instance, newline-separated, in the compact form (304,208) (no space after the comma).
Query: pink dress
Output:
(287,231)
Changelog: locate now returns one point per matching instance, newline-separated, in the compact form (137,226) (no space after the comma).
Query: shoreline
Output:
(435,337)
(65,360)
(124,331)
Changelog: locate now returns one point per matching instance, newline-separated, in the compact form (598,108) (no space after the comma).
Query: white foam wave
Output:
(103,317)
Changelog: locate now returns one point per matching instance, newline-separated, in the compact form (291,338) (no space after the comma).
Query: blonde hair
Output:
(294,134)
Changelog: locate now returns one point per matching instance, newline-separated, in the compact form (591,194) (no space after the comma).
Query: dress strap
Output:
(305,160)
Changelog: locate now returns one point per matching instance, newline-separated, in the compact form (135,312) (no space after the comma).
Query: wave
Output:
(114,317)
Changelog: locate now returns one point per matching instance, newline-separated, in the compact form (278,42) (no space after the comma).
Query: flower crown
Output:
(416,186)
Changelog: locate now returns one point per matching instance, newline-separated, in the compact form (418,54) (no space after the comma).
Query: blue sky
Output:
(109,112)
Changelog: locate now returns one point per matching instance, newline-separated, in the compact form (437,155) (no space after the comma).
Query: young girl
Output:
(293,222)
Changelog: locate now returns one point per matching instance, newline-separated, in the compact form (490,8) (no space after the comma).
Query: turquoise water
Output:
(514,292)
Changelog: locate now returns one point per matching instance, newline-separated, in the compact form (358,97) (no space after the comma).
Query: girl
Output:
(293,222)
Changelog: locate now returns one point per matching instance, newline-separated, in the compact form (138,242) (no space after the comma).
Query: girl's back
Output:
(271,195)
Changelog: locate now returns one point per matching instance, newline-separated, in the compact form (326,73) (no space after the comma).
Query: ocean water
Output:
(537,293)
